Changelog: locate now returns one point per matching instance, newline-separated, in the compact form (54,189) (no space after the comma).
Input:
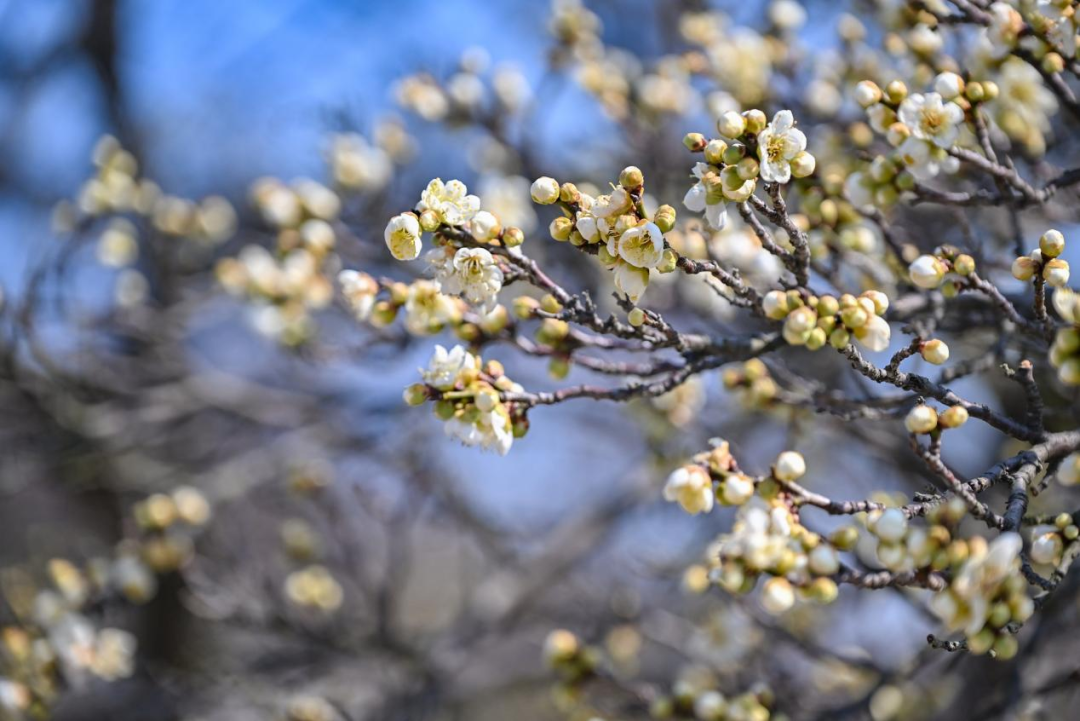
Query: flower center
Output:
(774,148)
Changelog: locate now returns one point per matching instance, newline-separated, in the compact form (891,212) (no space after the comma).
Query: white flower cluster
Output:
(630,244)
(814,321)
(467,395)
(472,273)
(730,172)
(986,594)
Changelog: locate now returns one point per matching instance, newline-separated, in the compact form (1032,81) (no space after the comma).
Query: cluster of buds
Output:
(751,380)
(813,321)
(713,475)
(902,546)
(695,695)
(169,523)
(117,189)
(921,127)
(767,539)
(945,268)
(290,282)
(1065,350)
(1048,543)
(924,419)
(468,396)
(1044,262)
(986,594)
(773,151)
(53,643)
(615,227)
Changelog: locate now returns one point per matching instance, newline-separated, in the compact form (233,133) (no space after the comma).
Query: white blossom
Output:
(778,144)
(641,246)
(931,118)
(445,366)
(402,236)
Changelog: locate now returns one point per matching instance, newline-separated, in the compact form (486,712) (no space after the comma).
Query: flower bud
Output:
(839,338)
(823,560)
(896,91)
(636,317)
(714,151)
(964,265)
(513,237)
(755,121)
(948,85)
(927,272)
(789,466)
(665,218)
(694,142)
(777,596)
(775,304)
(631,177)
(748,168)
(1023,268)
(921,419)
(854,317)
(525,307)
(416,394)
(1052,243)
(560,647)
(867,93)
(560,228)
(429,221)
(731,124)
(891,526)
(1056,272)
(844,538)
(545,191)
(822,590)
(953,417)
(1046,548)
(803,164)
(817,338)
(935,351)
(975,92)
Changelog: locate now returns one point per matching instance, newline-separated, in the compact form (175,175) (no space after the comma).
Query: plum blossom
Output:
(445,366)
(778,144)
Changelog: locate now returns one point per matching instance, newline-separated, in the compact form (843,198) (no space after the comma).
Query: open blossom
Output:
(696,200)
(641,246)
(450,201)
(778,144)
(359,290)
(980,582)
(931,118)
(475,276)
(691,488)
(445,366)
(402,236)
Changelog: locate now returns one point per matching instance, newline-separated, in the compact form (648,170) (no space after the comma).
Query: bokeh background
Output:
(483,554)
